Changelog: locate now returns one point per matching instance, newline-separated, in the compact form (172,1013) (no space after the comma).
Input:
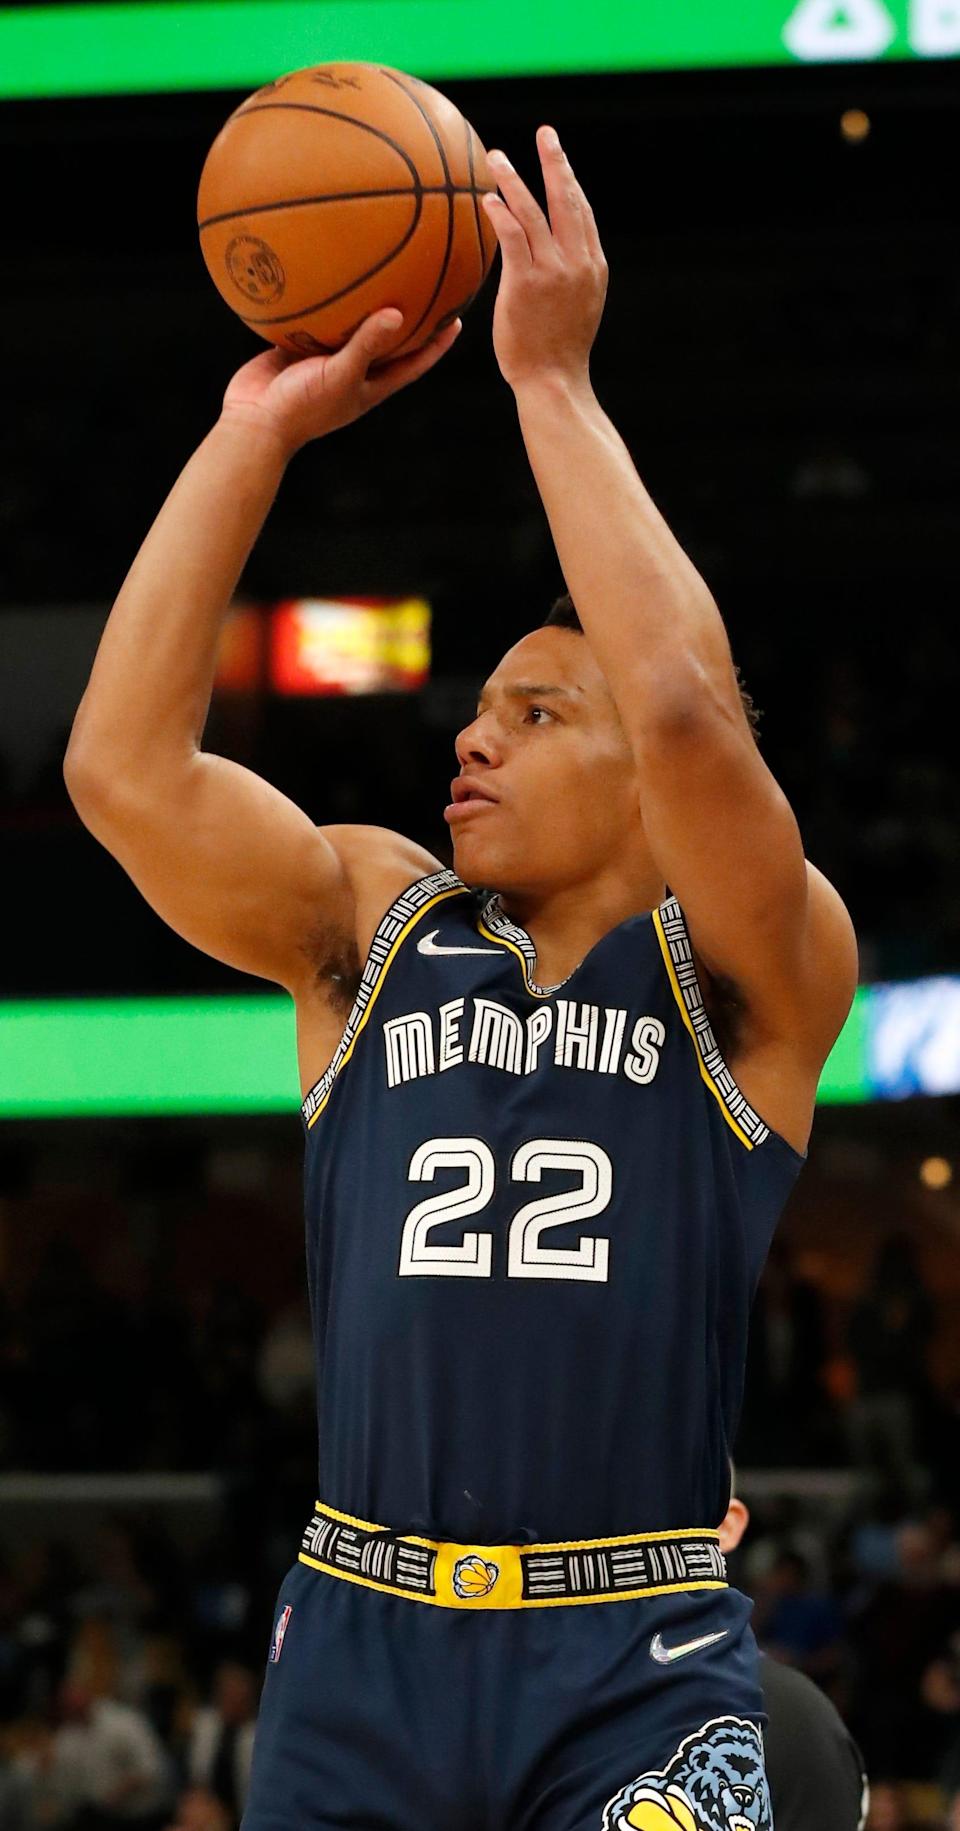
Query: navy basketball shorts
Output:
(383,1713)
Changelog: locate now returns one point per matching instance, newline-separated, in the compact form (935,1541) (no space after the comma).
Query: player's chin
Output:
(479,859)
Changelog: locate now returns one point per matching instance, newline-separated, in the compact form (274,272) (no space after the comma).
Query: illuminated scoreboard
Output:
(312,647)
(156,45)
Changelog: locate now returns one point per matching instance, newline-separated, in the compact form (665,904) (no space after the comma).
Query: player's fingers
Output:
(514,245)
(270,363)
(522,205)
(594,243)
(372,340)
(565,198)
(592,233)
(392,376)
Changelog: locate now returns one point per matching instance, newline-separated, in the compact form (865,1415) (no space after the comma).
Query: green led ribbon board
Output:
(65,1058)
(238,44)
(73,1058)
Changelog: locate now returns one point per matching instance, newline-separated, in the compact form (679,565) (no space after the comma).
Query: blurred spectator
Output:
(228,1341)
(31,1798)
(785,1395)
(939,1446)
(103,1766)
(220,1747)
(897,1628)
(44,1578)
(888,1811)
(815,1770)
(14,1791)
(798,1623)
(116,1589)
(287,1366)
(941,1694)
(198,1810)
(889,1334)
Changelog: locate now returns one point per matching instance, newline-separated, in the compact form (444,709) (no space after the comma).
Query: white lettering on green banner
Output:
(823,31)
(935,28)
(848,31)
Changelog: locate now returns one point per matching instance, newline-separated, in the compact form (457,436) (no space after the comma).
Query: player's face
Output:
(548,753)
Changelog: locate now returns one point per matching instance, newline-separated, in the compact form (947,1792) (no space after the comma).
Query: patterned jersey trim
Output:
(677,952)
(396,925)
(497,926)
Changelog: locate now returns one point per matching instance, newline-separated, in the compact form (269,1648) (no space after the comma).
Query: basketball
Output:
(340,189)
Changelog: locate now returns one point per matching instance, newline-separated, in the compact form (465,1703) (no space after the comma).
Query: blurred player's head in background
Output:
(736,1519)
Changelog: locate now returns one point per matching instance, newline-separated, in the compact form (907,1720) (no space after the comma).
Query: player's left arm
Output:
(719,826)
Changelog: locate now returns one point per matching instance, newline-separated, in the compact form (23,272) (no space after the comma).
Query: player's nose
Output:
(477,743)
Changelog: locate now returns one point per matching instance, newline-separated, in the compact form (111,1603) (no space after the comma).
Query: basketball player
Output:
(814,1768)
(554,1100)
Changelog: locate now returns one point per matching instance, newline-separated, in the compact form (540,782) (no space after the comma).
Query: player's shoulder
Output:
(832,962)
(379,865)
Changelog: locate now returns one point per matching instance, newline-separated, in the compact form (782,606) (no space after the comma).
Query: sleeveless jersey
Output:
(536,1217)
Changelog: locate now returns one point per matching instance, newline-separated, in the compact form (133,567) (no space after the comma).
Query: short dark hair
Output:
(563,615)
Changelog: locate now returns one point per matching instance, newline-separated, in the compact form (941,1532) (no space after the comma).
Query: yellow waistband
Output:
(559,1574)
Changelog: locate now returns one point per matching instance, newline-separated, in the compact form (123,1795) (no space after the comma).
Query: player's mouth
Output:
(470,798)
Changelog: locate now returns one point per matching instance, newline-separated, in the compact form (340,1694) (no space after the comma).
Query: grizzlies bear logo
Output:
(715,1782)
(473,1576)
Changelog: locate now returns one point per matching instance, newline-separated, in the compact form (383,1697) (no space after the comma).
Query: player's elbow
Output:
(689,713)
(93,780)
(84,779)
(106,801)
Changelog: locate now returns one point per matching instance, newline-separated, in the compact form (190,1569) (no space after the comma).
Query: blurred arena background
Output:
(776,190)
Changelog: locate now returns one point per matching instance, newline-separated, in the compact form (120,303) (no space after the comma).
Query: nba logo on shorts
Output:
(279,1632)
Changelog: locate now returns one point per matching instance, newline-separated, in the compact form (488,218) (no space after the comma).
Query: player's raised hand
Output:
(299,398)
(554,279)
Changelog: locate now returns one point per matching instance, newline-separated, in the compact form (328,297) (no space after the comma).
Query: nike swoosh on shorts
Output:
(427,945)
(665,1656)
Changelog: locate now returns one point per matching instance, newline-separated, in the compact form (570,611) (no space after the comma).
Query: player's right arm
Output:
(226,860)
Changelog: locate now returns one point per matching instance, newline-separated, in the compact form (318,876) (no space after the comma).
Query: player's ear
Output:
(733,1525)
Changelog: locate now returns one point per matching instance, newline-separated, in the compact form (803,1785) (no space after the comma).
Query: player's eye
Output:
(544,709)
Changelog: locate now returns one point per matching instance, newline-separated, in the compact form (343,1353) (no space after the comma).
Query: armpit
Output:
(335,961)
(727,1010)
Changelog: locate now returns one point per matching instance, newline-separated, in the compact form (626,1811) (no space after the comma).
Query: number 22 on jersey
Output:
(527,1255)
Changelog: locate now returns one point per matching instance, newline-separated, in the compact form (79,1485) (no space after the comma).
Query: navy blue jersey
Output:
(535,1221)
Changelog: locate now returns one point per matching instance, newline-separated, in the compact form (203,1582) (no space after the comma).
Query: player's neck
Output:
(564,924)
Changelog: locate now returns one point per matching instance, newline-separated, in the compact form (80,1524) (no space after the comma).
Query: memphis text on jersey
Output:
(566,1032)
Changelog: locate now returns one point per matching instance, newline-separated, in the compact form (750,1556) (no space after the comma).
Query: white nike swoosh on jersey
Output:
(665,1656)
(427,945)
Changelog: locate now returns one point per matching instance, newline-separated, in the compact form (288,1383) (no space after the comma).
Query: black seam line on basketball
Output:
(333,114)
(446,173)
(295,203)
(306,311)
(476,206)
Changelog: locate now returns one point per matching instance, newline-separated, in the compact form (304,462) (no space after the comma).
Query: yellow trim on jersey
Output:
(366,1525)
(684,1013)
(480,1602)
(501,941)
(626,1538)
(507,1591)
(441,897)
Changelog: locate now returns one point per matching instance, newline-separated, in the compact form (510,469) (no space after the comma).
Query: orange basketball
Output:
(340,189)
